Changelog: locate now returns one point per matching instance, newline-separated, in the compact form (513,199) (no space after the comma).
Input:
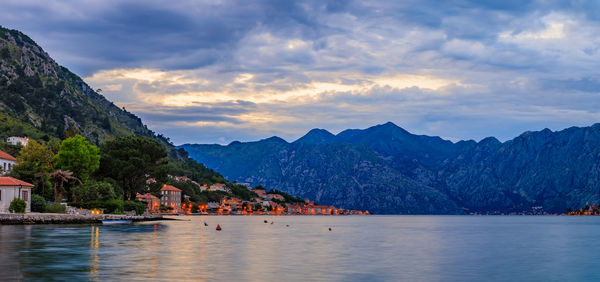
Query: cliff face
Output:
(385,169)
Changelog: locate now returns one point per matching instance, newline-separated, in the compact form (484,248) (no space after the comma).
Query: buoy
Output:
(218,227)
(329,228)
(287,225)
(265,221)
(272,222)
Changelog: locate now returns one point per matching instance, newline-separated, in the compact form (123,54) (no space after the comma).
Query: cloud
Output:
(218,71)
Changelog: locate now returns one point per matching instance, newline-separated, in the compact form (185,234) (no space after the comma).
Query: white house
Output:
(6,162)
(12,188)
(15,140)
(219,187)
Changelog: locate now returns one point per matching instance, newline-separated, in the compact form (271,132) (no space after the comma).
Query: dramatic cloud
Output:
(218,71)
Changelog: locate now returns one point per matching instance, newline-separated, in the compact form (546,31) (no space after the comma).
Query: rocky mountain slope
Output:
(37,91)
(44,100)
(388,170)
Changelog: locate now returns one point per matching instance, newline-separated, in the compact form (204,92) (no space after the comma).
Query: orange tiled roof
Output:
(170,188)
(6,156)
(9,181)
(146,196)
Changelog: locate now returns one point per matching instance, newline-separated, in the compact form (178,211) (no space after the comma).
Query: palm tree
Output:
(60,177)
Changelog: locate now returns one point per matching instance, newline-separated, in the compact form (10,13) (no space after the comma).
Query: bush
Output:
(56,208)
(113,206)
(136,206)
(17,206)
(38,203)
(93,191)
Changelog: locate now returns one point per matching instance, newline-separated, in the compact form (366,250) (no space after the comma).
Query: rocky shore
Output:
(57,218)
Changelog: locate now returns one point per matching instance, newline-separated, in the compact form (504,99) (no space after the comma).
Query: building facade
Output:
(152,202)
(219,187)
(171,197)
(15,140)
(6,162)
(12,188)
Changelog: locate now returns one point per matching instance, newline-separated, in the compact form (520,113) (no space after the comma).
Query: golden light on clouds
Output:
(186,88)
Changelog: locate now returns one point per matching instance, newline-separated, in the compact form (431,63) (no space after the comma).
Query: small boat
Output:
(218,227)
(116,221)
(205,224)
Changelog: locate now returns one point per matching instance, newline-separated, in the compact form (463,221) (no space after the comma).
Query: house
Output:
(260,192)
(153,202)
(275,196)
(12,188)
(212,205)
(15,140)
(314,209)
(171,197)
(219,187)
(6,162)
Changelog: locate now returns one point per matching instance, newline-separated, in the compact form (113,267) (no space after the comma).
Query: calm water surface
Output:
(359,248)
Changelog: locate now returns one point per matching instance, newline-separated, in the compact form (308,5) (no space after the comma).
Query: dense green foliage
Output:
(115,206)
(79,156)
(17,206)
(93,190)
(56,208)
(131,160)
(136,206)
(38,203)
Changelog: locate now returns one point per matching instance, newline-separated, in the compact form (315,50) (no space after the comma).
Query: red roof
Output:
(6,156)
(170,188)
(9,181)
(146,196)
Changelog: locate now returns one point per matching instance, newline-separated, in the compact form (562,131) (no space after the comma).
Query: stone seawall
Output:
(59,218)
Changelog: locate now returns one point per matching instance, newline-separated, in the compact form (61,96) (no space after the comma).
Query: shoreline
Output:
(61,218)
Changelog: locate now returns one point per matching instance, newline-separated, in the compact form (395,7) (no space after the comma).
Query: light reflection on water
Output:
(359,248)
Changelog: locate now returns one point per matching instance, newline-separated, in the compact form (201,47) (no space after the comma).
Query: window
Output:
(25,195)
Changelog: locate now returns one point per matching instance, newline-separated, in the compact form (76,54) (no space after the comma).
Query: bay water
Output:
(302,248)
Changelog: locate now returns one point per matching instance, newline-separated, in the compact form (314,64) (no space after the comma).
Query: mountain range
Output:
(386,169)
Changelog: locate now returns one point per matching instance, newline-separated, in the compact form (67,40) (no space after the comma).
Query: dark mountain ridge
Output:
(386,169)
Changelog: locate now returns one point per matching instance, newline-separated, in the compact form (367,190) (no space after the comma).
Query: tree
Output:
(79,156)
(131,160)
(37,154)
(34,164)
(60,177)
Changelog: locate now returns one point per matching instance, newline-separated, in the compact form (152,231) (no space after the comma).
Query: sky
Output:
(218,71)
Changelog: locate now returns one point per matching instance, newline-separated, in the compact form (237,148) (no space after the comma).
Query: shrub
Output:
(93,191)
(136,206)
(56,208)
(38,203)
(113,206)
(17,206)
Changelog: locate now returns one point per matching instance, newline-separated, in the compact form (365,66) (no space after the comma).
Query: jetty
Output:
(61,218)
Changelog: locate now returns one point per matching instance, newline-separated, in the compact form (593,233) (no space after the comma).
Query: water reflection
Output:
(94,246)
(357,249)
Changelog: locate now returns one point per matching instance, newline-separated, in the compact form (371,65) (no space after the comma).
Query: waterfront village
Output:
(265,203)
(173,200)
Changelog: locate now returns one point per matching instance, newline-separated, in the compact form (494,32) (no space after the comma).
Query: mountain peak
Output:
(317,135)
(275,139)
